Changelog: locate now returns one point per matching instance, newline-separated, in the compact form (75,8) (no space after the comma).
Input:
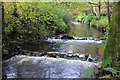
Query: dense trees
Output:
(31,22)
(40,17)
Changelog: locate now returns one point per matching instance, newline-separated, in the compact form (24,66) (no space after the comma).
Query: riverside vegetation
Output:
(30,23)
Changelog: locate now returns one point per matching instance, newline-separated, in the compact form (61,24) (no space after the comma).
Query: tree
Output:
(108,10)
(1,16)
(98,5)
(112,49)
(99,8)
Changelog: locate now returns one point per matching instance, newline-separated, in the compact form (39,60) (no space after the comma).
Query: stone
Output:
(67,37)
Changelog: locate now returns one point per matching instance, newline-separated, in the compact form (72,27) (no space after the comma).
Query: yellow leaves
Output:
(106,76)
(88,53)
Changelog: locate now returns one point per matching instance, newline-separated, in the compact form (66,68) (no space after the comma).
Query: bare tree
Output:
(98,5)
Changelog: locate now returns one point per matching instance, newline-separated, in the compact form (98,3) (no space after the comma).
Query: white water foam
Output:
(46,67)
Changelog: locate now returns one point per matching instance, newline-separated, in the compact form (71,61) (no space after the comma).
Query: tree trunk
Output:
(108,11)
(1,16)
(1,27)
(96,13)
(99,9)
(112,49)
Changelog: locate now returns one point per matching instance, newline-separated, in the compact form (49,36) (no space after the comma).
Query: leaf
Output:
(89,71)
(8,29)
(106,76)
(30,32)
(111,70)
(106,61)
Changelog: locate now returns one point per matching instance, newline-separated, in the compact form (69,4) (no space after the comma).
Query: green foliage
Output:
(8,29)
(90,71)
(87,18)
(76,7)
(35,18)
(104,68)
(31,22)
(112,70)
(79,18)
(103,22)
(106,62)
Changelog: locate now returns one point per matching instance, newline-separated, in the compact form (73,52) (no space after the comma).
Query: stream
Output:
(84,40)
(79,31)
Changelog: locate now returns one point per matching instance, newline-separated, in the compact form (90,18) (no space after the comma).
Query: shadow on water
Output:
(72,46)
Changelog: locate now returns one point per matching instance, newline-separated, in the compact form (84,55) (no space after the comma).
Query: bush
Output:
(31,22)
(103,22)
(34,19)
(87,18)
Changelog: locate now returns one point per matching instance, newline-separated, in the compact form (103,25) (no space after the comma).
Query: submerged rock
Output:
(46,67)
(67,37)
(75,56)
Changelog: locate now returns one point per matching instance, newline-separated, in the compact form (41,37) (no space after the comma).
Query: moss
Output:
(112,48)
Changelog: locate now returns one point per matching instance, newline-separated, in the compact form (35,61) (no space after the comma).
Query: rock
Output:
(67,37)
(86,57)
(83,38)
(42,54)
(102,39)
(90,59)
(91,38)
(77,39)
(57,37)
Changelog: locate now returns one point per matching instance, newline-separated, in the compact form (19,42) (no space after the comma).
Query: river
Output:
(86,40)
(78,30)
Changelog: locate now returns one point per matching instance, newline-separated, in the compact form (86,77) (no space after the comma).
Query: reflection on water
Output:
(72,46)
(83,30)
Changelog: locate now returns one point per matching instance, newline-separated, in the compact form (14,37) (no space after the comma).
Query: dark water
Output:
(92,47)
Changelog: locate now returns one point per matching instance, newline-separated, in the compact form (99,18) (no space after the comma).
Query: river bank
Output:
(92,21)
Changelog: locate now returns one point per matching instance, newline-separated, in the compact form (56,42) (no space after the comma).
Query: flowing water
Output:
(77,30)
(46,67)
(22,66)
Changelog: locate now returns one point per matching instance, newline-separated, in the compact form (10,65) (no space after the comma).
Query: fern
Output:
(90,71)
(106,62)
(112,70)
